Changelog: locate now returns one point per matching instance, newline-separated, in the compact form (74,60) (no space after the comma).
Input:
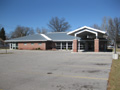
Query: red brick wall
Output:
(29,46)
(75,47)
(96,45)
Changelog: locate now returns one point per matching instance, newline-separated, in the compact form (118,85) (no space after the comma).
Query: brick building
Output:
(81,39)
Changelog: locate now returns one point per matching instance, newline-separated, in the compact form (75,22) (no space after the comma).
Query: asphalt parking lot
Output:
(54,70)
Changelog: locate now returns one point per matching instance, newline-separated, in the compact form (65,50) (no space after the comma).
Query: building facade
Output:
(81,39)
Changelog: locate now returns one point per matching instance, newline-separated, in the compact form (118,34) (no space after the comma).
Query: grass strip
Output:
(114,76)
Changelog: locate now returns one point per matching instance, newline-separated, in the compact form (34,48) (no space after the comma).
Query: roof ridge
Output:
(45,36)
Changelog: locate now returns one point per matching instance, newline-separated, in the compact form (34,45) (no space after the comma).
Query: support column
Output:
(96,45)
(15,45)
(75,48)
(66,45)
(61,45)
(78,45)
(9,45)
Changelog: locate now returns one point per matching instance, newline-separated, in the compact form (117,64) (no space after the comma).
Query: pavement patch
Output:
(91,71)
(88,87)
(49,73)
(101,64)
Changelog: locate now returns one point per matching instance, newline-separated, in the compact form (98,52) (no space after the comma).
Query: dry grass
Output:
(114,78)
(118,50)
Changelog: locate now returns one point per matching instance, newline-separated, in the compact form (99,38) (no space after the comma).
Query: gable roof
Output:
(53,36)
(36,37)
(86,27)
(56,36)
(60,36)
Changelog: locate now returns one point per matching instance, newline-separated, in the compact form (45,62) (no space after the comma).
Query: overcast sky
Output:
(37,13)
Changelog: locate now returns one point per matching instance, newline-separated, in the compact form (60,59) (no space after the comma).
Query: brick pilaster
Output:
(96,45)
(75,48)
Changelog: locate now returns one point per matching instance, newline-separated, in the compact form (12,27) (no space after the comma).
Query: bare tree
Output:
(104,25)
(44,30)
(96,26)
(21,31)
(41,31)
(117,28)
(112,27)
(38,30)
(31,31)
(58,25)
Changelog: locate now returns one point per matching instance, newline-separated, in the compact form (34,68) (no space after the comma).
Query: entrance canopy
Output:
(93,39)
(87,32)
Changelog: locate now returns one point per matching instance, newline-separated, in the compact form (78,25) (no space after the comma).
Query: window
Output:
(82,45)
(63,45)
(40,43)
(32,43)
(25,43)
(69,45)
(58,46)
(13,45)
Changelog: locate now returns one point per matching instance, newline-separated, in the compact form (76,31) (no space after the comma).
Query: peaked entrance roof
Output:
(87,28)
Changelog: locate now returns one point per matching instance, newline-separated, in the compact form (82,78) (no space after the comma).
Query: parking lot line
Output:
(95,62)
(87,67)
(69,76)
(80,77)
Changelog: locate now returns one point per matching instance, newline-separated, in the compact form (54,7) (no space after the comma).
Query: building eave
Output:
(7,41)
